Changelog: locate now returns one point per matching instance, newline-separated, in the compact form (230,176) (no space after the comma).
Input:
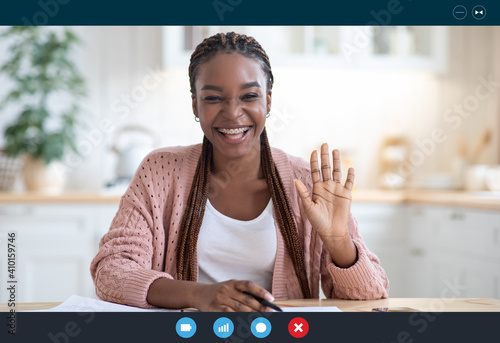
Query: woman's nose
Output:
(232,108)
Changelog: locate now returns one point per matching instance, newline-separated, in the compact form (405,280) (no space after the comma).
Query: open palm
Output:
(329,207)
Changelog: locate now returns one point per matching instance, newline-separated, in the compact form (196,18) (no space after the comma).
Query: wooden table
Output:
(420,304)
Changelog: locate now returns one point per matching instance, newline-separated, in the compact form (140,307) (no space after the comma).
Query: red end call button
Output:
(298,327)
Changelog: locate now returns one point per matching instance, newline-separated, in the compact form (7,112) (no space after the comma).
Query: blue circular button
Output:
(261,327)
(185,327)
(223,327)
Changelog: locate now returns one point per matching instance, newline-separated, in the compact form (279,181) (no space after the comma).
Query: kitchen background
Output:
(414,109)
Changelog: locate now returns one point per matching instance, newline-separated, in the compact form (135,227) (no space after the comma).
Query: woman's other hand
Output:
(228,296)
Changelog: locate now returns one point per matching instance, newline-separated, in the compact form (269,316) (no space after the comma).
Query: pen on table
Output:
(264,302)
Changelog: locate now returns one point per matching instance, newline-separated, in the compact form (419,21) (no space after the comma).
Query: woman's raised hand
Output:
(329,207)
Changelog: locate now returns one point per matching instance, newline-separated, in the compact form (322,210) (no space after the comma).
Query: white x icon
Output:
(298,327)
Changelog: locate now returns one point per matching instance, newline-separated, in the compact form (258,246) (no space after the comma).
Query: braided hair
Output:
(195,208)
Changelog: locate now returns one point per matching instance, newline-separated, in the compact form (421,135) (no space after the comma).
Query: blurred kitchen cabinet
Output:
(420,226)
(451,246)
(434,252)
(473,233)
(458,276)
(388,47)
(55,244)
(470,240)
(383,228)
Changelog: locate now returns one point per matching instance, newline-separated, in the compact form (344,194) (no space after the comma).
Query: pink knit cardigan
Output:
(141,243)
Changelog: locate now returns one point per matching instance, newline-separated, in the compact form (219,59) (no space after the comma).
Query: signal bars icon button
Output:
(223,327)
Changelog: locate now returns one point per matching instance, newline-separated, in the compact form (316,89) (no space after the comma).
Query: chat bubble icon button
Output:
(261,327)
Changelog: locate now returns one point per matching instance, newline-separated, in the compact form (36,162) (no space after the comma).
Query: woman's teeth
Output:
(234,133)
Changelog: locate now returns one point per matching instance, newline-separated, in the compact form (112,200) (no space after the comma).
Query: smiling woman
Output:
(204,225)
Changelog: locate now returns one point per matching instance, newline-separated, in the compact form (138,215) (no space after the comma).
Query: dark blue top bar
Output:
(250,12)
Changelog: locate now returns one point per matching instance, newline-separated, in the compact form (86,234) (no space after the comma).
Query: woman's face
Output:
(232,102)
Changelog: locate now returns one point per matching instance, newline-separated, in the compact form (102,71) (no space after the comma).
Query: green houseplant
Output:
(46,91)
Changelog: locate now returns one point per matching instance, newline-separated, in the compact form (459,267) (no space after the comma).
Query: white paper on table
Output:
(312,309)
(76,303)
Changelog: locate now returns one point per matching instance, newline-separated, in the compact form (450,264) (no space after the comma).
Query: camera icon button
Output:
(185,327)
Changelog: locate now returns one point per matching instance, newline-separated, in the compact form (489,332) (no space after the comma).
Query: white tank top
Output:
(235,249)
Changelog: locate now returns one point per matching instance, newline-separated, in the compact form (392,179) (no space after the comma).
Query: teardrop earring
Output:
(268,115)
(196,119)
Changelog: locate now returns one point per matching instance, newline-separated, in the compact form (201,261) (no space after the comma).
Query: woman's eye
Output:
(250,96)
(212,98)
